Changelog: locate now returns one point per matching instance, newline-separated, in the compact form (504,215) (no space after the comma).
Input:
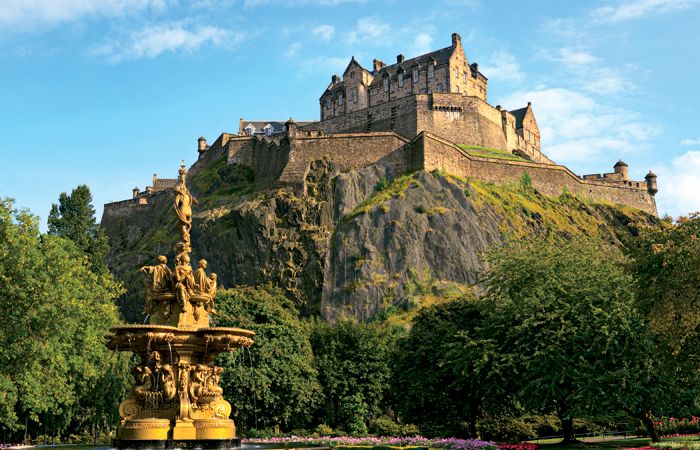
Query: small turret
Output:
(155,178)
(202,145)
(622,169)
(136,191)
(651,183)
(291,128)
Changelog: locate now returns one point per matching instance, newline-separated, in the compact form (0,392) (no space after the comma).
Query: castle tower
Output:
(202,145)
(622,169)
(136,191)
(651,183)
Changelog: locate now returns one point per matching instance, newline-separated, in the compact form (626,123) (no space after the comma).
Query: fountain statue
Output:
(176,400)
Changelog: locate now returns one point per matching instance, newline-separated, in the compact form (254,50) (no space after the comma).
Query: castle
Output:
(429,113)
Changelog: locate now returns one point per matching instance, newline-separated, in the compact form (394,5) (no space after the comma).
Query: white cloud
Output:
(323,32)
(293,3)
(679,185)
(502,66)
(22,13)
(690,142)
(368,29)
(423,43)
(635,9)
(293,50)
(563,27)
(571,57)
(325,64)
(152,41)
(604,81)
(577,129)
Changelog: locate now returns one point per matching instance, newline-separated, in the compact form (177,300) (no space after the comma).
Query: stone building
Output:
(439,92)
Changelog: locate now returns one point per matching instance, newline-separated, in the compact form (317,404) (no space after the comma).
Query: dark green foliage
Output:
(562,332)
(526,181)
(55,372)
(353,361)
(274,382)
(74,218)
(429,388)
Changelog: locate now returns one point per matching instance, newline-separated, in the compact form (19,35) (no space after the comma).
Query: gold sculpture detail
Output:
(176,395)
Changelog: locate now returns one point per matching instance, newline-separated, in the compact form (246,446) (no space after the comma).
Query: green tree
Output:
(275,381)
(436,382)
(56,312)
(354,366)
(74,218)
(563,330)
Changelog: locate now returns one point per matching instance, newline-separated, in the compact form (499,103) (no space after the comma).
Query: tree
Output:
(74,218)
(436,383)
(56,311)
(354,366)
(563,331)
(275,381)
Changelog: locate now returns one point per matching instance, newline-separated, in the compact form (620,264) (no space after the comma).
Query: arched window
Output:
(401,79)
(340,99)
(415,75)
(431,71)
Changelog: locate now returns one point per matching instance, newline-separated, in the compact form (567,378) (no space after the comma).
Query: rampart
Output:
(436,153)
(286,161)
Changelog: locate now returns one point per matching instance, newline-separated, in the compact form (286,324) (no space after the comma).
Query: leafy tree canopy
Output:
(74,218)
(275,381)
(53,361)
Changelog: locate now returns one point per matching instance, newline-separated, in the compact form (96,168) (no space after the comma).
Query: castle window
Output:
(439,88)
(386,85)
(415,75)
(400,80)
(464,77)
(340,99)
(431,71)
(328,102)
(352,75)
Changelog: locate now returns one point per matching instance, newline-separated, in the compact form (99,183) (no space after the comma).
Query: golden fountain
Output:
(176,400)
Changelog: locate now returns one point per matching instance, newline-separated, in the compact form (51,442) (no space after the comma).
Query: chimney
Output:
(377,65)
(529,104)
(334,79)
(456,39)
(399,58)
(136,192)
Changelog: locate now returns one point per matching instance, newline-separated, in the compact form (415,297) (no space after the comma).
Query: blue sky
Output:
(108,92)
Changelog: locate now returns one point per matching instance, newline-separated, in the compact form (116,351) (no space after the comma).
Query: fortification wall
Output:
(267,157)
(438,154)
(347,151)
(398,115)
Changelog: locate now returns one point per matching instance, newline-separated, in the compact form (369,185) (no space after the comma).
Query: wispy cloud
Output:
(30,13)
(152,41)
(679,184)
(293,50)
(570,57)
(503,66)
(577,129)
(423,43)
(368,29)
(323,32)
(636,9)
(294,3)
(690,142)
(325,64)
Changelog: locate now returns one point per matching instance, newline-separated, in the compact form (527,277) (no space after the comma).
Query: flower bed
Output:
(383,441)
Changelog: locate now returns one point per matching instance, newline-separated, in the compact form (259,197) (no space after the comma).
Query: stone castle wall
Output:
(461,119)
(436,153)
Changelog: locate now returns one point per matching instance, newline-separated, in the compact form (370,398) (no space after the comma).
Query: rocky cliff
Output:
(361,244)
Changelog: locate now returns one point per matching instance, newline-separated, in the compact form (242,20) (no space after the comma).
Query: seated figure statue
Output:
(158,281)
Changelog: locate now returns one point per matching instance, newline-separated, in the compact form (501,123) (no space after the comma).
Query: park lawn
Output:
(671,442)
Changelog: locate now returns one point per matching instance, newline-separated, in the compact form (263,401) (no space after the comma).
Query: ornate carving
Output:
(129,409)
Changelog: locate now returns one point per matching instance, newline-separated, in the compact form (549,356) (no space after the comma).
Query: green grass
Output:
(384,191)
(490,152)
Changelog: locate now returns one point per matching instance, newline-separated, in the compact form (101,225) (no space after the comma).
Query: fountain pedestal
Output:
(176,400)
